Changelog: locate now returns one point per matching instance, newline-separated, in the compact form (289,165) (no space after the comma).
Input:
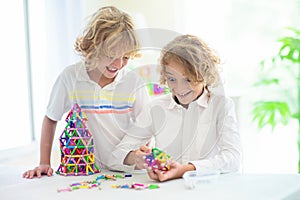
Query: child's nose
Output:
(118,62)
(180,87)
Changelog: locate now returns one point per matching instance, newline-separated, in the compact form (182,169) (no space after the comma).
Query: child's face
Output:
(180,85)
(110,66)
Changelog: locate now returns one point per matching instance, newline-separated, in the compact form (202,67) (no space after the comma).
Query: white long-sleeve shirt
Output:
(206,134)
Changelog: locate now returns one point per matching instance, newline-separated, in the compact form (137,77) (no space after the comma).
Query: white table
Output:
(227,186)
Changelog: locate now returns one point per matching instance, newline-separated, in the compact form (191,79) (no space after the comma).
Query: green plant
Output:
(279,78)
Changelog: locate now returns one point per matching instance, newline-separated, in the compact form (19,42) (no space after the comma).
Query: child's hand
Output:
(38,171)
(136,157)
(140,157)
(176,171)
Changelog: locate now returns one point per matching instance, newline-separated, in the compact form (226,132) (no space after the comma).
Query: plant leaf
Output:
(267,82)
(271,113)
(290,49)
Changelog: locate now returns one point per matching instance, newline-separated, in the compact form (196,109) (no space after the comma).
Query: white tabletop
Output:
(227,186)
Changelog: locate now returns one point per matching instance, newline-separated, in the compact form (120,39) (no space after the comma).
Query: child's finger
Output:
(50,172)
(26,174)
(31,174)
(152,175)
(162,176)
(38,173)
(145,149)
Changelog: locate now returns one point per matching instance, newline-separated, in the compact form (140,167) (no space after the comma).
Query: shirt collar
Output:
(173,103)
(201,101)
(81,71)
(82,74)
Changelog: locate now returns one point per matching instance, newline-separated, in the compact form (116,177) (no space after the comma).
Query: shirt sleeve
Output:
(128,143)
(227,158)
(59,101)
(137,135)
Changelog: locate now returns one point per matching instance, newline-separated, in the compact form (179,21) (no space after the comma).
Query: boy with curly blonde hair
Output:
(110,95)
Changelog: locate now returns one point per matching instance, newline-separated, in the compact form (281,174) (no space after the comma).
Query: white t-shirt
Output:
(206,134)
(109,110)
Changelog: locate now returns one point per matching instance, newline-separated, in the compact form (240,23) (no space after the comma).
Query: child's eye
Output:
(110,57)
(126,57)
(171,79)
(187,80)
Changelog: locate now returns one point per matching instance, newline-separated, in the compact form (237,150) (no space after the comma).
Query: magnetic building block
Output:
(158,160)
(77,146)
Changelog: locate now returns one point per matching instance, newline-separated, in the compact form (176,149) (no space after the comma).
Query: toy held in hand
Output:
(158,160)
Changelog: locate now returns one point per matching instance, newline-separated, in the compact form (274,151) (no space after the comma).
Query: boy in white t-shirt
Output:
(110,95)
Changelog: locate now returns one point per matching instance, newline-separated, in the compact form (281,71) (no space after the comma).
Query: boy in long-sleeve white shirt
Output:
(195,126)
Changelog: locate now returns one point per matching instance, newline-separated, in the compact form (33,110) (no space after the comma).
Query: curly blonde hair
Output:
(200,62)
(109,33)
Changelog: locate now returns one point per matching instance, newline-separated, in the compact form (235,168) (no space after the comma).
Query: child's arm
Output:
(176,171)
(48,131)
(127,155)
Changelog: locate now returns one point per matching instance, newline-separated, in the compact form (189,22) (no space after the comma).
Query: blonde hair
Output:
(200,62)
(109,33)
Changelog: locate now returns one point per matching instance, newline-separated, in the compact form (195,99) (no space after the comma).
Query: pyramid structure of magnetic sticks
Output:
(158,159)
(77,146)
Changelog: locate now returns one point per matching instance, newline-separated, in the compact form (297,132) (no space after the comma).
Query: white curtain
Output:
(54,26)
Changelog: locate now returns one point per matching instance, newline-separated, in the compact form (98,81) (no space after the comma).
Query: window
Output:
(14,84)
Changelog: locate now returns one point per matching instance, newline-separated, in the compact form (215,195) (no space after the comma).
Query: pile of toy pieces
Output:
(96,184)
(158,160)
